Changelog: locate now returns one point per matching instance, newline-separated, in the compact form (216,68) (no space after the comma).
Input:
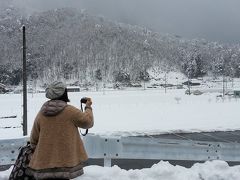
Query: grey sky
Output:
(214,20)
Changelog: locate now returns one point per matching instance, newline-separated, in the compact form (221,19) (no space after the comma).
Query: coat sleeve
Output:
(35,132)
(83,119)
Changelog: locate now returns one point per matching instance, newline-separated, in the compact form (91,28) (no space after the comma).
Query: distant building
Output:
(73,89)
(190,83)
(236,93)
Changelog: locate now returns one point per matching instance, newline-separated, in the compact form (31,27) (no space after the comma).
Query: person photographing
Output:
(59,151)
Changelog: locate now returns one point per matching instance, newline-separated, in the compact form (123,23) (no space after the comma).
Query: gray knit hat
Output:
(55,90)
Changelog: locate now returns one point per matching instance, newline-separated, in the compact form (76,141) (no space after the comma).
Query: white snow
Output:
(134,112)
(140,112)
(215,170)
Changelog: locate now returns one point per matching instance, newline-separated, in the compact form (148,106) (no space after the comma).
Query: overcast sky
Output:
(214,20)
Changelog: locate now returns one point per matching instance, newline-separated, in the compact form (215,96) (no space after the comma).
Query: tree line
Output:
(73,45)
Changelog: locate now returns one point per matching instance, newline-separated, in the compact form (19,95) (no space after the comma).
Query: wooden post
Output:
(24,74)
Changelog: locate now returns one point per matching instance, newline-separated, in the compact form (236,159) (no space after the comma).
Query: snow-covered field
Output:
(141,112)
(134,112)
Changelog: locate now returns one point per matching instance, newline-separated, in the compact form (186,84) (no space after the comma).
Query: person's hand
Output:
(89,102)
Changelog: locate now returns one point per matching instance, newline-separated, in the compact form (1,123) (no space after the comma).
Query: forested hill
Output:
(71,44)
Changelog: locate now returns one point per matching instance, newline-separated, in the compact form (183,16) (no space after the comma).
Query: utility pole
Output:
(24,74)
(223,87)
(189,89)
(165,86)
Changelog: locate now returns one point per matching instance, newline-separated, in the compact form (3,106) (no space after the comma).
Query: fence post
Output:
(107,162)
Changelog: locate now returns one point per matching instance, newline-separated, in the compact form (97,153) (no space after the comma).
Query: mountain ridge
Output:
(71,44)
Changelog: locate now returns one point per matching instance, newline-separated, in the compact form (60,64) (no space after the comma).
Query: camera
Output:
(84,100)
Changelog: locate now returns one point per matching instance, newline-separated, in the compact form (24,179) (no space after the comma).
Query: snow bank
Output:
(215,170)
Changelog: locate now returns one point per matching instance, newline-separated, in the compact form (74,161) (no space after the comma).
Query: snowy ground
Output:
(215,170)
(135,112)
(141,112)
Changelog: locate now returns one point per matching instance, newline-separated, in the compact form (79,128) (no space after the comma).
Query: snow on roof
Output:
(73,87)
